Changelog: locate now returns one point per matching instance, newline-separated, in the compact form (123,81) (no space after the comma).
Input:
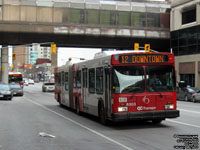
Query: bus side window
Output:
(78,79)
(91,80)
(74,78)
(59,79)
(84,81)
(99,80)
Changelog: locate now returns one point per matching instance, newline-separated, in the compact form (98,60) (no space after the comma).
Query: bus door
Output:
(107,72)
(65,89)
(84,88)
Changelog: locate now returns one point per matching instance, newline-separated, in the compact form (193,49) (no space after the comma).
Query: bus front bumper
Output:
(147,115)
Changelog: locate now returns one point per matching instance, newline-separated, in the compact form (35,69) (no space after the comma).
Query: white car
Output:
(31,81)
(48,87)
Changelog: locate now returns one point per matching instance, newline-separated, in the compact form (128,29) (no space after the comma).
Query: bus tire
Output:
(77,107)
(157,121)
(59,100)
(102,114)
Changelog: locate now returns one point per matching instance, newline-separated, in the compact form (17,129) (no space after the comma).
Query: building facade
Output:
(34,52)
(20,58)
(185,40)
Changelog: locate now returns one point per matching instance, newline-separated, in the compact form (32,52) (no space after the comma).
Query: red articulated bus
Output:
(121,86)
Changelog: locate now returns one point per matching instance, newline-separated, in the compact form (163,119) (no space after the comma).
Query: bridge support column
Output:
(54,60)
(4,64)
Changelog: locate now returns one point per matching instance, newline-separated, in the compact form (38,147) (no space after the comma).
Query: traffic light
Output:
(53,48)
(147,47)
(14,56)
(136,46)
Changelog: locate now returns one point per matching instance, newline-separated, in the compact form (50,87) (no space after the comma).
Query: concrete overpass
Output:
(85,23)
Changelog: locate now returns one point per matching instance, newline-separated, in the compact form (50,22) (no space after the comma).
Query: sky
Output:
(75,53)
(65,53)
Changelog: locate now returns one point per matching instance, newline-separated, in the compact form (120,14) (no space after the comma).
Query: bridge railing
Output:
(86,17)
(116,14)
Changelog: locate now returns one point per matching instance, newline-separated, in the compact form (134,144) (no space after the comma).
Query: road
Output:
(23,118)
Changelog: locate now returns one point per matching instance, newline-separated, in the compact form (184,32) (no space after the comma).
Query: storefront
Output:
(188,69)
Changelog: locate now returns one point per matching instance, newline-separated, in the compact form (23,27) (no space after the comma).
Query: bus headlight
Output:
(121,109)
(171,106)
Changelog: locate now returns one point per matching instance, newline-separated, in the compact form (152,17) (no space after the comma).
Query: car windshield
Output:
(131,79)
(160,78)
(194,89)
(128,79)
(14,86)
(191,90)
(4,87)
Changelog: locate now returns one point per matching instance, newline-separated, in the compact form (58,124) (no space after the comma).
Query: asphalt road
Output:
(24,118)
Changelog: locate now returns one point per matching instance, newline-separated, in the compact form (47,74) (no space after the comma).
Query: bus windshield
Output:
(128,79)
(16,79)
(131,79)
(160,78)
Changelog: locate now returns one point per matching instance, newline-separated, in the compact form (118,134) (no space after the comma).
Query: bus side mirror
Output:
(107,70)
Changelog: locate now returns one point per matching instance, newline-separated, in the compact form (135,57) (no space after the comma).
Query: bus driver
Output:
(154,81)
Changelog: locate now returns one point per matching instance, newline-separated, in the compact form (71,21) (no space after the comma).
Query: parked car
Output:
(6,92)
(185,93)
(17,89)
(196,96)
(48,87)
(31,81)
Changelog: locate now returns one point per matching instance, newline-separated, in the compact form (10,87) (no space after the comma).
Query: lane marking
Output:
(87,128)
(187,124)
(187,106)
(191,111)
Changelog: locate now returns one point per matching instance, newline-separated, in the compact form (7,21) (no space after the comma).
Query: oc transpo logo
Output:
(146,100)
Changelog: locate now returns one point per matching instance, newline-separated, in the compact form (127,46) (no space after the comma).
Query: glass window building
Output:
(185,40)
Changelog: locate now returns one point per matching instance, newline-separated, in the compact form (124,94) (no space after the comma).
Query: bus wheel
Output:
(59,100)
(157,121)
(102,115)
(77,107)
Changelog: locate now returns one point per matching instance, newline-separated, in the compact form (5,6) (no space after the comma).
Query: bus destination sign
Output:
(143,58)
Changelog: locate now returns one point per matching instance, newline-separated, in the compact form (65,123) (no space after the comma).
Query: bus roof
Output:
(108,53)
(14,73)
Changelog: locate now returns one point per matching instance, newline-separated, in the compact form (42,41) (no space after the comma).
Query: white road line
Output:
(183,123)
(191,111)
(188,106)
(187,124)
(91,130)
